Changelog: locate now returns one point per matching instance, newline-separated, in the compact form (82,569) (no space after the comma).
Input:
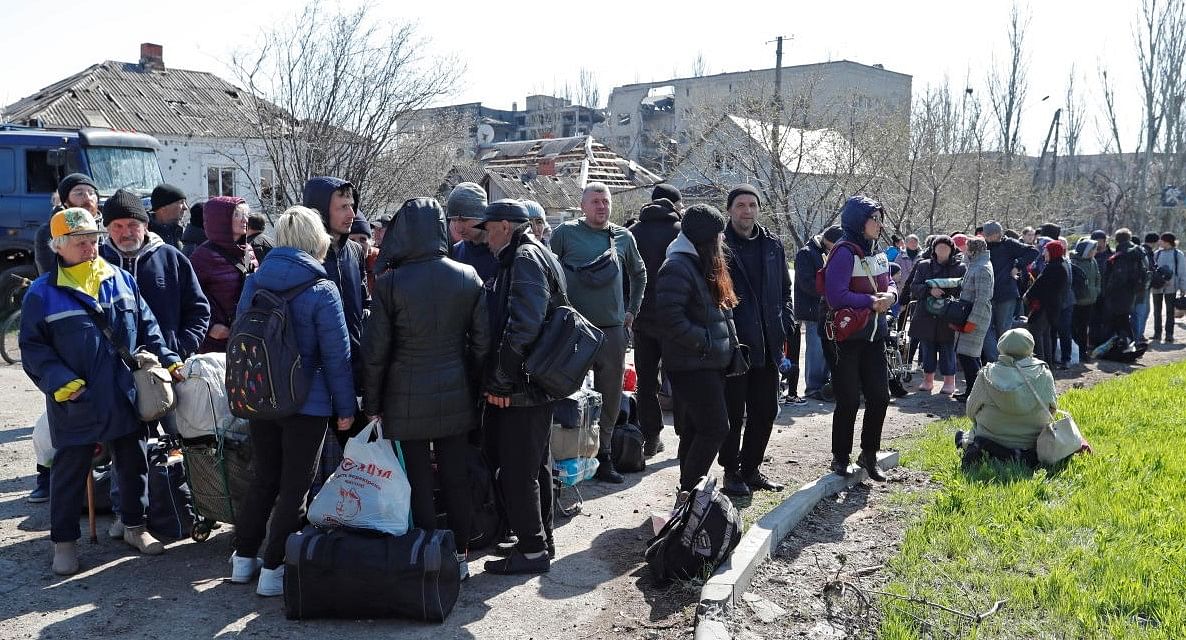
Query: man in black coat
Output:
(1123,281)
(658,224)
(765,320)
(518,416)
(168,206)
(809,310)
(1005,255)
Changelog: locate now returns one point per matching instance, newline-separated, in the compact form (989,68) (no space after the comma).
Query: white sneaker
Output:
(244,569)
(463,566)
(271,582)
(116,530)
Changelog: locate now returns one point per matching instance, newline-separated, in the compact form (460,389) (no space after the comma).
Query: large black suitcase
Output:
(352,573)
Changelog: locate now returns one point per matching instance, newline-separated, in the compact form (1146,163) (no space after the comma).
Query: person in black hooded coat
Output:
(423,362)
(658,224)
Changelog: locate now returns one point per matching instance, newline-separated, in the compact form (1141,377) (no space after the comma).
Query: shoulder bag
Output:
(564,351)
(845,322)
(1061,438)
(602,270)
(154,385)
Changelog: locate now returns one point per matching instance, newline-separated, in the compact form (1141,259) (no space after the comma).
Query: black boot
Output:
(605,470)
(757,481)
(868,462)
(840,466)
(734,486)
(652,446)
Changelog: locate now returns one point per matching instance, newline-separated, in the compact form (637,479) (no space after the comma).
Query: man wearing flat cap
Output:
(518,419)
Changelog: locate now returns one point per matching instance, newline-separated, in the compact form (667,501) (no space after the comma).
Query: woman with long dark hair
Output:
(694,305)
(857,278)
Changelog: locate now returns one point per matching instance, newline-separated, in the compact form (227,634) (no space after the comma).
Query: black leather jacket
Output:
(529,284)
(422,360)
(765,327)
(657,226)
(696,334)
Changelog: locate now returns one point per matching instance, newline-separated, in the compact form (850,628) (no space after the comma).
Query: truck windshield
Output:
(114,168)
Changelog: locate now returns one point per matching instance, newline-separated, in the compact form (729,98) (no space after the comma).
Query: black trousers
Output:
(1120,325)
(284,453)
(522,437)
(752,400)
(453,473)
(1161,300)
(859,369)
(1080,326)
(971,367)
(67,484)
(647,356)
(1039,327)
(699,399)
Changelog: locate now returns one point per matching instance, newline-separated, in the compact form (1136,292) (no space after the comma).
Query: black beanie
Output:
(1150,238)
(71,181)
(166,194)
(1050,230)
(124,204)
(195,215)
(742,189)
(701,223)
(666,192)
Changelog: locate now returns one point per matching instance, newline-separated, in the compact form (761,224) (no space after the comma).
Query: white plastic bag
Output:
(43,446)
(202,406)
(369,490)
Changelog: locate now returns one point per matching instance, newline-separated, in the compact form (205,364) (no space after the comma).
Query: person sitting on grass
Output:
(1012,401)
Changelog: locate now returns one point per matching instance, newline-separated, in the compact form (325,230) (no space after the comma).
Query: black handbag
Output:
(956,312)
(739,363)
(602,270)
(563,353)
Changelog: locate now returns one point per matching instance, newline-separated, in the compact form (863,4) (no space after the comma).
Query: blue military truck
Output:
(33,161)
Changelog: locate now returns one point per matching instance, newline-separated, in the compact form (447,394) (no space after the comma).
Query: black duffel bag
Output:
(358,574)
(627,448)
(563,353)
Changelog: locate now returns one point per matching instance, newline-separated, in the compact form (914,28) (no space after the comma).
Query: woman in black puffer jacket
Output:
(422,362)
(694,303)
(935,338)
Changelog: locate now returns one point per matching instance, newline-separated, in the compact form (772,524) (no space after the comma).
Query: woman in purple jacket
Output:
(857,277)
(222,264)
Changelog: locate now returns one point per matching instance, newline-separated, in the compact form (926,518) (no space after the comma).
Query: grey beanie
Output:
(992,228)
(467,200)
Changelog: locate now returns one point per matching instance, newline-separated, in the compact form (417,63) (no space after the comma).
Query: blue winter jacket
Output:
(169,285)
(59,343)
(320,328)
(477,256)
(342,263)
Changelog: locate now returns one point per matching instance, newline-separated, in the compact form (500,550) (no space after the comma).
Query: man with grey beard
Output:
(164,275)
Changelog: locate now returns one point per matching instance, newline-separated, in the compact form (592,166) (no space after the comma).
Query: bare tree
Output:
(699,66)
(335,93)
(1161,48)
(588,89)
(1074,109)
(1007,87)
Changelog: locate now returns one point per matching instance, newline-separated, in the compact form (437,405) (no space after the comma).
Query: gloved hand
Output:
(786,367)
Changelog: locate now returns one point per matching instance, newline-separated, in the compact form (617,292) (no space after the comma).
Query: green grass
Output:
(1093,549)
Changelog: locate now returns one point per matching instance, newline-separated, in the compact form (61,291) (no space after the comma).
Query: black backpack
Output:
(265,378)
(702,532)
(626,448)
(1079,283)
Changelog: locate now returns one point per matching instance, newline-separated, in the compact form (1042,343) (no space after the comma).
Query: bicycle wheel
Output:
(10,331)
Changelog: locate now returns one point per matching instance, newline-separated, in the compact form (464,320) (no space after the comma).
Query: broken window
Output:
(220,181)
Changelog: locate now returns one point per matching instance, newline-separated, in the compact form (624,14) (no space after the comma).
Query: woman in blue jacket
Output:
(90,395)
(285,451)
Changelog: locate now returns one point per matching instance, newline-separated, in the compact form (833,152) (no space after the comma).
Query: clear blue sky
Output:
(515,49)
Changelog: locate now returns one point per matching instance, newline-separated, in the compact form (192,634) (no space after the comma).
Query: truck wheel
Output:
(9,284)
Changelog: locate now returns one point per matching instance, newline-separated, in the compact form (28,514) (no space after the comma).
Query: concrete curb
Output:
(724,589)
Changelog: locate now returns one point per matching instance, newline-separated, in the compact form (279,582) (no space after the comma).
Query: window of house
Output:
(269,196)
(220,181)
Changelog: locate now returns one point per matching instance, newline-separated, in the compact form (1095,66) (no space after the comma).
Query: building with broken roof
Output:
(543,117)
(554,172)
(202,122)
(649,122)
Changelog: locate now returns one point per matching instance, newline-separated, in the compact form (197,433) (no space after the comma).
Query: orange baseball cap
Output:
(74,221)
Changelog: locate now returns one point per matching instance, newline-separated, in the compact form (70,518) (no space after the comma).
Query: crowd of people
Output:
(423,320)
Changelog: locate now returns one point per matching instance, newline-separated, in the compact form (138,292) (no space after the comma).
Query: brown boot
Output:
(65,558)
(141,539)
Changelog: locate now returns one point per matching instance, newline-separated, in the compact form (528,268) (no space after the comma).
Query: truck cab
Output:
(33,161)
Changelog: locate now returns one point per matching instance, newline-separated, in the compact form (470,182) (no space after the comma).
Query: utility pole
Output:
(776,166)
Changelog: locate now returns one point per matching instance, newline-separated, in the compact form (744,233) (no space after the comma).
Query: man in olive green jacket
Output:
(596,290)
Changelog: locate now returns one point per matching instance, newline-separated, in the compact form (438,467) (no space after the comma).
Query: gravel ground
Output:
(598,586)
